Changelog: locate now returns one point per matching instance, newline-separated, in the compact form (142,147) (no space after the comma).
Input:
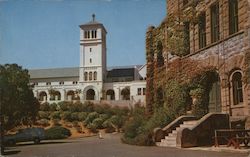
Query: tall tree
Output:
(18,104)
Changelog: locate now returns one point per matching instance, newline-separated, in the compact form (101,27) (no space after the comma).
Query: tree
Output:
(18,104)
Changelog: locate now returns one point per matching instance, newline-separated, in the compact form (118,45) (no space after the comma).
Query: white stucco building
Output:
(92,80)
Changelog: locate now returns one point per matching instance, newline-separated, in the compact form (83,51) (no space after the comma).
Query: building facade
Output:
(217,34)
(92,80)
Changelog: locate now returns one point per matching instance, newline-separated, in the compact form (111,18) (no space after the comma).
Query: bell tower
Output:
(92,55)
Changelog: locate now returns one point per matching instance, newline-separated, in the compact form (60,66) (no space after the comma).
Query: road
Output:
(110,146)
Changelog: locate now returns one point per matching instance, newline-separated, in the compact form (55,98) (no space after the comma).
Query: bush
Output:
(57,132)
(66,115)
(56,122)
(53,107)
(87,107)
(43,122)
(64,106)
(98,123)
(138,129)
(91,116)
(43,115)
(74,117)
(55,115)
(44,107)
(82,116)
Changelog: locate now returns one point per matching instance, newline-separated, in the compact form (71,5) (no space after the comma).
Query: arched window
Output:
(86,76)
(237,88)
(95,75)
(92,34)
(95,34)
(90,76)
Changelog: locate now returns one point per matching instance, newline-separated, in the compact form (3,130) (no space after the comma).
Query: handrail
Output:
(160,133)
(203,131)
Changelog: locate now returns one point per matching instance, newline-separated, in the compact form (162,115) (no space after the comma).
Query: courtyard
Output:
(110,146)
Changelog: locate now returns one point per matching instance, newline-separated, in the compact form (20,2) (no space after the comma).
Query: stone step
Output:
(166,143)
(170,138)
(186,125)
(190,122)
(173,134)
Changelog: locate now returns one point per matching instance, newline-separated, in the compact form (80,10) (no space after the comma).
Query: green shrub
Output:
(66,115)
(44,107)
(56,122)
(92,127)
(64,106)
(74,116)
(43,122)
(91,116)
(43,115)
(55,115)
(53,107)
(87,106)
(82,116)
(98,123)
(57,132)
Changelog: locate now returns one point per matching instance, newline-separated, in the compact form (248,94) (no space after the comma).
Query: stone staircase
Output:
(170,139)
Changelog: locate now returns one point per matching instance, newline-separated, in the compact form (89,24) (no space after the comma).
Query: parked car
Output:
(25,135)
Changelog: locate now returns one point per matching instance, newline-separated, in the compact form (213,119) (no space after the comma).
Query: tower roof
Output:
(92,23)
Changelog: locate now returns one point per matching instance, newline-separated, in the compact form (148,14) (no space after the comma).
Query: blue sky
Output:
(45,33)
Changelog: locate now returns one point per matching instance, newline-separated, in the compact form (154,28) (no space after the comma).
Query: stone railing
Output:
(202,133)
(160,133)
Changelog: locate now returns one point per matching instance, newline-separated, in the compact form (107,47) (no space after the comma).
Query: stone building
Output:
(217,34)
(92,80)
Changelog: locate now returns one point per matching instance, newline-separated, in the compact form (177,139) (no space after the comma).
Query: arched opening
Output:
(57,95)
(237,88)
(42,96)
(110,94)
(90,94)
(86,76)
(125,93)
(95,75)
(214,93)
(72,95)
(90,76)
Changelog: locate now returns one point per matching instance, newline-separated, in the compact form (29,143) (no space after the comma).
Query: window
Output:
(237,88)
(90,60)
(75,82)
(138,91)
(186,38)
(61,83)
(90,49)
(215,24)
(95,34)
(95,75)
(90,76)
(85,34)
(48,83)
(88,35)
(36,83)
(233,16)
(144,91)
(86,76)
(202,30)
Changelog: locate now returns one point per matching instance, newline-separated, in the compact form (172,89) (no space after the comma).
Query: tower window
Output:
(90,60)
(95,75)
(233,16)
(92,33)
(85,34)
(202,30)
(95,34)
(61,83)
(86,76)
(215,23)
(88,35)
(90,76)
(90,49)
(48,83)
